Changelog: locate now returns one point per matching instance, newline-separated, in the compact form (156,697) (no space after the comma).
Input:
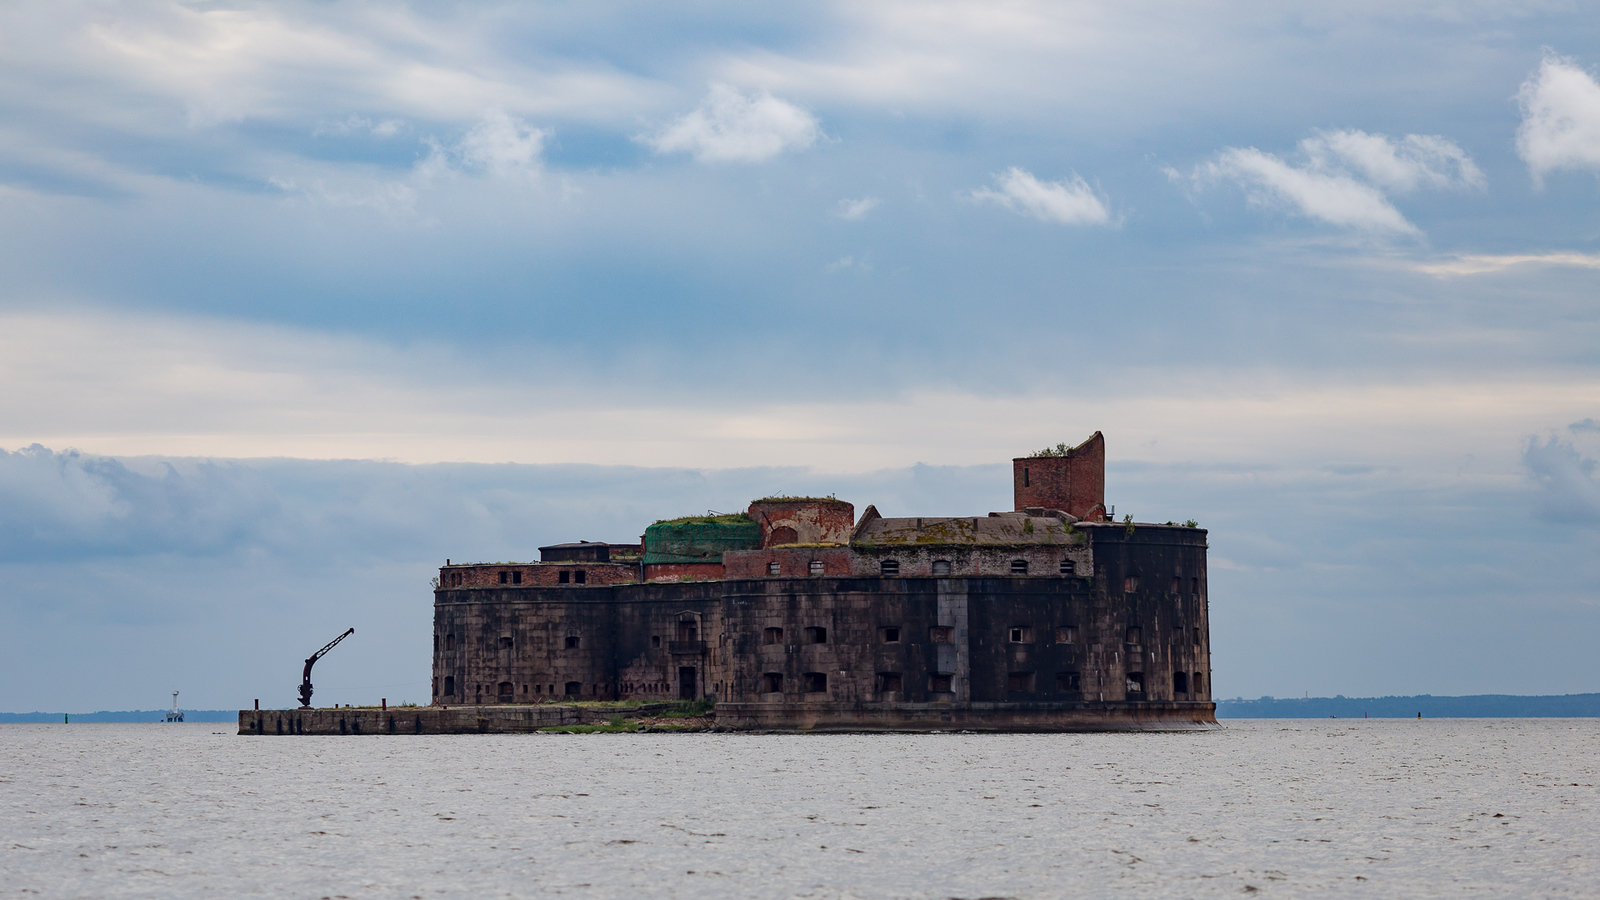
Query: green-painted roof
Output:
(699,539)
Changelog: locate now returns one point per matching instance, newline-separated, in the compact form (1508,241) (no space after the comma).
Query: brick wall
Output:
(1075,483)
(803,521)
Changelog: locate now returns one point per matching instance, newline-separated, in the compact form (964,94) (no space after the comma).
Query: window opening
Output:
(506,691)
(815,682)
(773,568)
(516,577)
(1176,586)
(816,635)
(574,688)
(1180,682)
(941,567)
(889,568)
(1069,681)
(563,577)
(688,630)
(1067,567)
(1135,682)
(1194,585)
(940,684)
(572,642)
(816,567)
(688,683)
(502,577)
(1019,681)
(580,576)
(1021,635)
(1198,689)
(1135,635)
(772,636)
(1019,567)
(449,685)
(1130,584)
(505,643)
(449,642)
(655,640)
(1197,637)
(890,683)
(942,634)
(889,634)
(1067,634)
(772,683)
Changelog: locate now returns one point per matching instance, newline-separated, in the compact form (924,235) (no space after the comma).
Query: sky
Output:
(298,300)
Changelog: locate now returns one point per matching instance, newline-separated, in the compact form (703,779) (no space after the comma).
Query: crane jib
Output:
(305,678)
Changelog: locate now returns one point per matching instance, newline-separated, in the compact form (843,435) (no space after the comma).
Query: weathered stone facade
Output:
(1036,619)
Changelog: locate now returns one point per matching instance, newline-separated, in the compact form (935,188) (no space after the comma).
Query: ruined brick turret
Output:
(1071,480)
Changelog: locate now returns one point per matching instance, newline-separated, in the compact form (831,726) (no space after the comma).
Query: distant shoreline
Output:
(1475,706)
(126,715)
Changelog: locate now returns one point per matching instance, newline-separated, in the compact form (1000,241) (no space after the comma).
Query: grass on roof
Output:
(730,519)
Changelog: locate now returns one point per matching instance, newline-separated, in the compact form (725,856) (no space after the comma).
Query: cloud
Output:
(502,145)
(1584,425)
(731,127)
(1569,492)
(1560,119)
(1333,198)
(1068,202)
(857,209)
(1480,264)
(1415,161)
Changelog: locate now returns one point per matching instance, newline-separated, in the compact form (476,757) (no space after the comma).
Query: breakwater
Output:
(518,719)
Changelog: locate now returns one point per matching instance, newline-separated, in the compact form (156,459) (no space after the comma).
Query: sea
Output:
(1260,808)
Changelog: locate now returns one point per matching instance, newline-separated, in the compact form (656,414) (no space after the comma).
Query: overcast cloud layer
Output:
(1325,278)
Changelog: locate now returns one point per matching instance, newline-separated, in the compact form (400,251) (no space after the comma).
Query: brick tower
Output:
(1074,482)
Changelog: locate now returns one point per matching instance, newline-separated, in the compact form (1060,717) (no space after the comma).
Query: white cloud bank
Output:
(731,127)
(855,210)
(503,145)
(1344,176)
(1560,119)
(1067,202)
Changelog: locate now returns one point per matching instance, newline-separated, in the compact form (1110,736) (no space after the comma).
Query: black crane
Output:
(305,680)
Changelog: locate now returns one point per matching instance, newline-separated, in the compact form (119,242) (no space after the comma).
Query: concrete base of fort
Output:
(754,717)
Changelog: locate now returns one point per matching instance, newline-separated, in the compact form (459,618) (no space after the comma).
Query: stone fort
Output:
(798,615)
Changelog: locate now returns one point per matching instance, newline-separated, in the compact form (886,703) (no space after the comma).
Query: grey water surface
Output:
(1288,808)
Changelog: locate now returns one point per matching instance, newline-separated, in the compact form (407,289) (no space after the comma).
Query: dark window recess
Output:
(688,630)
(1135,682)
(1197,637)
(1068,568)
(505,643)
(889,568)
(1067,634)
(1198,684)
(503,577)
(506,691)
(580,576)
(1176,586)
(1180,683)
(772,636)
(436,642)
(783,534)
(572,642)
(524,689)
(815,682)
(816,567)
(942,634)
(1135,635)
(1069,681)
(816,635)
(655,640)
(772,683)
(1019,681)
(563,577)
(1020,635)
(1019,567)
(1130,584)
(941,567)
(940,684)
(889,634)
(516,577)
(574,688)
(890,683)
(449,642)
(773,568)
(1194,585)
(449,685)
